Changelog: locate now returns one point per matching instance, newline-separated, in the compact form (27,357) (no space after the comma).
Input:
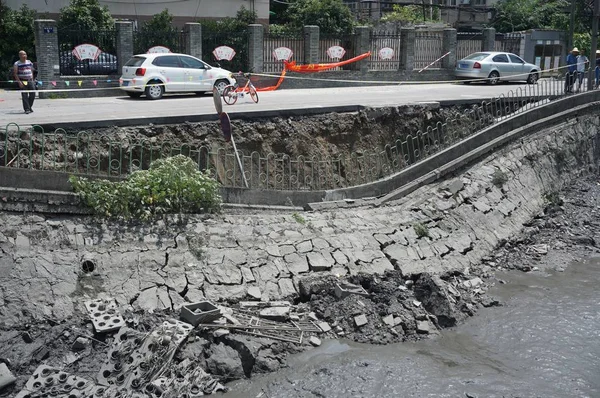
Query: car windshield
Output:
(135,61)
(477,56)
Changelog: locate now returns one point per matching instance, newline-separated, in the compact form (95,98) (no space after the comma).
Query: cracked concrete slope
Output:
(185,259)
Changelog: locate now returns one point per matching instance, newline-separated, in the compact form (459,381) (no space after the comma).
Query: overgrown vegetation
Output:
(232,32)
(16,33)
(421,230)
(499,178)
(332,16)
(85,15)
(411,14)
(552,198)
(170,185)
(299,219)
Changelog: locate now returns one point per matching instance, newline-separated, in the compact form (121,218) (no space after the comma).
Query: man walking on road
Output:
(571,70)
(23,71)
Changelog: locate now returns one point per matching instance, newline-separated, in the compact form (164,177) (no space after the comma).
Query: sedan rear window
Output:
(477,56)
(135,61)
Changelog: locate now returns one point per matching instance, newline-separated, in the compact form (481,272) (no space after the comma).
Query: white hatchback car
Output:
(156,74)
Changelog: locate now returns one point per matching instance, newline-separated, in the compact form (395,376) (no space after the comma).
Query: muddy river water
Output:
(543,342)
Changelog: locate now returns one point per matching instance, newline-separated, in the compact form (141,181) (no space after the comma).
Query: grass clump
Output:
(421,230)
(499,178)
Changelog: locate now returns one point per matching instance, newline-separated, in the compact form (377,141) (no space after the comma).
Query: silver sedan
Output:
(492,67)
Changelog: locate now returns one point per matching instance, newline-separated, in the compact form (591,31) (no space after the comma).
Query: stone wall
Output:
(220,257)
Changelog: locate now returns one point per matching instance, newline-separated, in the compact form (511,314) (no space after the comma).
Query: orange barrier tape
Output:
(275,87)
(292,67)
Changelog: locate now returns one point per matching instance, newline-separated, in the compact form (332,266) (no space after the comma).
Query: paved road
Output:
(57,111)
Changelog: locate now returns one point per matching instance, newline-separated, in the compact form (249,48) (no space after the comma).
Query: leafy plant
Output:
(553,198)
(421,230)
(299,219)
(499,178)
(333,17)
(57,95)
(409,14)
(170,185)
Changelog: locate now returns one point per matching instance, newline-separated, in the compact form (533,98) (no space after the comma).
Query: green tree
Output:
(408,14)
(232,32)
(158,31)
(85,15)
(16,31)
(333,17)
(159,22)
(518,15)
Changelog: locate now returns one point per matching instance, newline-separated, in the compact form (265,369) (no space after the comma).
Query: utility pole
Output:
(592,56)
(571,27)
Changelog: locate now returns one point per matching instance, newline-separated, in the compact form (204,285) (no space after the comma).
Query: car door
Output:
(519,72)
(170,69)
(500,62)
(195,74)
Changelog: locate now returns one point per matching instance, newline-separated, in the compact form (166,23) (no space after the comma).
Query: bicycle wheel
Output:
(253,94)
(229,95)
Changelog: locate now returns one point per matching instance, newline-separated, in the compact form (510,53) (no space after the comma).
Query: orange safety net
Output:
(310,68)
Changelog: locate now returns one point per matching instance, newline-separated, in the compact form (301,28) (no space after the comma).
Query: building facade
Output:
(142,10)
(460,14)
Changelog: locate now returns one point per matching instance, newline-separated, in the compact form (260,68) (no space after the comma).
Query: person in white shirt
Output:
(582,64)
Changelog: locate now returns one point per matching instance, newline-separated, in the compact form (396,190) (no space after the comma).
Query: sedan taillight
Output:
(476,65)
(140,71)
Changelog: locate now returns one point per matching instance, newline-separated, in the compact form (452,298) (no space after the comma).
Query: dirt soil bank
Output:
(419,261)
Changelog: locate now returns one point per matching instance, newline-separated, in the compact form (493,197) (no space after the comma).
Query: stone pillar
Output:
(449,45)
(124,43)
(311,44)
(256,50)
(488,43)
(363,45)
(46,51)
(407,46)
(193,39)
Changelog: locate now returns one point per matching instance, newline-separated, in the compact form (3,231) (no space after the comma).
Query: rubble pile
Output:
(389,308)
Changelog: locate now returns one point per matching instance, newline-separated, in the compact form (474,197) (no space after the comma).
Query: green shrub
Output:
(421,230)
(499,178)
(170,185)
(298,218)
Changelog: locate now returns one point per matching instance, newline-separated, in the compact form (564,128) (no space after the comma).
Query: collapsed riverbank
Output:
(418,259)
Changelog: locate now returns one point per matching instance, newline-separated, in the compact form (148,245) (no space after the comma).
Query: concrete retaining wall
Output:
(170,261)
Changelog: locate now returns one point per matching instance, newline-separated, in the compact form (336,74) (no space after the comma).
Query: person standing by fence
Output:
(23,71)
(582,64)
(571,70)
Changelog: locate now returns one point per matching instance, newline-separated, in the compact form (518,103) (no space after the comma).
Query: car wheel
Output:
(220,85)
(494,78)
(134,95)
(533,78)
(154,90)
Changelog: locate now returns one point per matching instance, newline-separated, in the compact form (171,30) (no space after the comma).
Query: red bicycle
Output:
(232,92)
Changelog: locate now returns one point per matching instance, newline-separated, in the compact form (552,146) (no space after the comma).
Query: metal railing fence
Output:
(107,155)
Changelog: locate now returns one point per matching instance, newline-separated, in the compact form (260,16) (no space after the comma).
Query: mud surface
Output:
(542,341)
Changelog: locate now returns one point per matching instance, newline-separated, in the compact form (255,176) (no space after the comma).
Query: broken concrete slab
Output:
(472,283)
(360,320)
(324,326)
(254,292)
(280,314)
(320,261)
(388,320)
(423,327)
(315,341)
(80,343)
(344,289)
(6,376)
